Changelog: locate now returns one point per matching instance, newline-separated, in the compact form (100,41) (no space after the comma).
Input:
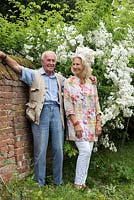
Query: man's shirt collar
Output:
(42,71)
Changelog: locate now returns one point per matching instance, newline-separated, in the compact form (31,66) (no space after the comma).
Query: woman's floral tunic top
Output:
(82,101)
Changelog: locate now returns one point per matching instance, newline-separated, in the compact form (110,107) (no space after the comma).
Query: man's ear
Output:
(41,61)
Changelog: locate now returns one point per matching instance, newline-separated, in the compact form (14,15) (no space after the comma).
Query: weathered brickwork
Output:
(16,149)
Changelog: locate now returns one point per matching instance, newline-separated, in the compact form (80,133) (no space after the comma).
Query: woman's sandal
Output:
(79,187)
(82,187)
(86,188)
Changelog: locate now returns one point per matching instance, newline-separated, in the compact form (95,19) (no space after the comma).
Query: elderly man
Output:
(45,111)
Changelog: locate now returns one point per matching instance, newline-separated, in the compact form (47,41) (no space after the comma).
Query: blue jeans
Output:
(50,123)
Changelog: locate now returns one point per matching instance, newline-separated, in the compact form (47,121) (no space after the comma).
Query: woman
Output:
(83,113)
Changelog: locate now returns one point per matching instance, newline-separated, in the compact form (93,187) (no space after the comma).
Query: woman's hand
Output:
(98,128)
(78,131)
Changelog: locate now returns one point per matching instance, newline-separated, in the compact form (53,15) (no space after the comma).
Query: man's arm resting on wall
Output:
(11,62)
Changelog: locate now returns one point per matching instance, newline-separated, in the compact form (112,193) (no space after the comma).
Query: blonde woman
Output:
(83,112)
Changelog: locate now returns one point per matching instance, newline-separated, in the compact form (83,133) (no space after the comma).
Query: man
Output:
(45,110)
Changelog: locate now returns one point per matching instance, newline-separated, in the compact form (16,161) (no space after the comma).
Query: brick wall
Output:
(16,150)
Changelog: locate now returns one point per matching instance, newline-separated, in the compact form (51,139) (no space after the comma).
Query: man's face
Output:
(49,62)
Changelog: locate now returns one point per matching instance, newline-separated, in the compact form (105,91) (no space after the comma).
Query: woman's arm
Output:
(98,126)
(70,113)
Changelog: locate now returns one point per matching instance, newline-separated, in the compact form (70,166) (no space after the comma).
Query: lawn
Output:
(111,177)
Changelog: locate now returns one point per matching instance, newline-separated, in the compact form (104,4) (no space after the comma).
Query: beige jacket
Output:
(37,96)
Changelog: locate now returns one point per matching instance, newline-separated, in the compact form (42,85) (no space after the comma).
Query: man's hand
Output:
(11,62)
(2,55)
(93,79)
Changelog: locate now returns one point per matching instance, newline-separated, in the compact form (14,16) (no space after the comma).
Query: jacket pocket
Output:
(31,111)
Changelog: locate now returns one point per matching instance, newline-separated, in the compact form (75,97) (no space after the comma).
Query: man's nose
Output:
(51,62)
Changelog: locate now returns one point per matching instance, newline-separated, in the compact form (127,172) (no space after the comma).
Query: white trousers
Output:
(85,150)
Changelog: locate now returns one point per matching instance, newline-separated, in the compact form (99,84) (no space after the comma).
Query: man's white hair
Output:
(45,53)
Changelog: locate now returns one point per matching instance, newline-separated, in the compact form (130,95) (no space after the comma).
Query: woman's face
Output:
(77,67)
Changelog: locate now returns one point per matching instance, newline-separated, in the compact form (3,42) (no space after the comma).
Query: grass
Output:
(111,177)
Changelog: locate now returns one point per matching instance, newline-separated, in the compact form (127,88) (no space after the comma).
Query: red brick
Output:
(6,132)
(3,143)
(7,168)
(19,144)
(19,151)
(6,177)
(10,154)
